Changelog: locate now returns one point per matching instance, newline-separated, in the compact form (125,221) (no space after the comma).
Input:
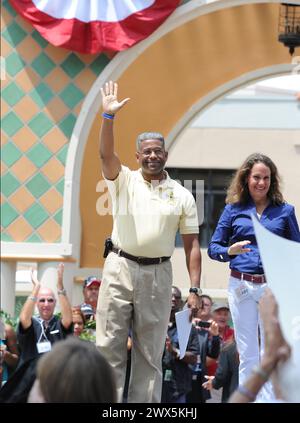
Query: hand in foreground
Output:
(208,384)
(238,248)
(110,103)
(276,348)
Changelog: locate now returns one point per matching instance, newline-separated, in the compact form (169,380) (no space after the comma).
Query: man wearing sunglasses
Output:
(37,334)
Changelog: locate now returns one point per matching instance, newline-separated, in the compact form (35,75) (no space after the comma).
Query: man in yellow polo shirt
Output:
(148,210)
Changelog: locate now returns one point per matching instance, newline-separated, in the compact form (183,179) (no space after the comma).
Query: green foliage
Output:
(89,333)
(90,324)
(8,319)
(58,314)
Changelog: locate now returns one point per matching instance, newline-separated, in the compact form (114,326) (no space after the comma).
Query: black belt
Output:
(140,260)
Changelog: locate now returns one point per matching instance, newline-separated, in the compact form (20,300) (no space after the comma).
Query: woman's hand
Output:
(238,248)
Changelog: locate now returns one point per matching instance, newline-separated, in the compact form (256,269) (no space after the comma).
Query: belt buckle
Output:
(139,260)
(252,278)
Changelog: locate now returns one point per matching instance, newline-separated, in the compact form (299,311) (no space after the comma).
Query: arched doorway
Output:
(168,79)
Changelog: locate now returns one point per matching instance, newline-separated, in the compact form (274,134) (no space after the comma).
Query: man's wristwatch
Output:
(62,291)
(195,290)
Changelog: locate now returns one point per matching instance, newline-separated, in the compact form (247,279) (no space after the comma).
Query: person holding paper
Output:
(254,190)
(148,210)
(177,372)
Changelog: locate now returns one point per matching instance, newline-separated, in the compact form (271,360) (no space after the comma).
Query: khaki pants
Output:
(137,296)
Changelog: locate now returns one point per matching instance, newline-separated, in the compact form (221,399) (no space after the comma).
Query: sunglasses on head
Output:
(43,300)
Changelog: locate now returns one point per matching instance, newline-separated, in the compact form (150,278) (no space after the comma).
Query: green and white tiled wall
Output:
(42,94)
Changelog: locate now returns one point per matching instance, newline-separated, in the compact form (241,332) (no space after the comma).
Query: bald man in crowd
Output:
(37,334)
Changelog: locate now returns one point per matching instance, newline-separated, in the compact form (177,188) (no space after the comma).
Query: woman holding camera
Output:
(254,190)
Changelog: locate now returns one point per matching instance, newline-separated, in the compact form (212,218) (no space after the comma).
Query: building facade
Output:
(53,200)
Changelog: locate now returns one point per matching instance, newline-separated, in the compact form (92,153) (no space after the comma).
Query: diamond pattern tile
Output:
(28,49)
(99,64)
(11,123)
(3,169)
(77,109)
(67,125)
(60,186)
(21,199)
(39,110)
(85,84)
(23,24)
(5,237)
(62,155)
(6,49)
(56,109)
(19,230)
(54,140)
(26,109)
(34,238)
(40,124)
(28,79)
(53,170)
(50,231)
(42,94)
(71,96)
(12,93)
(39,154)
(23,169)
(14,64)
(72,65)
(10,153)
(3,138)
(39,39)
(24,139)
(58,217)
(35,215)
(43,65)
(52,200)
(9,8)
(8,215)
(57,80)
(9,184)
(4,107)
(38,185)
(14,34)
(58,55)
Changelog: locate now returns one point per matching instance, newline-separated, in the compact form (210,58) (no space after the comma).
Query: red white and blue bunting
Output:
(95,26)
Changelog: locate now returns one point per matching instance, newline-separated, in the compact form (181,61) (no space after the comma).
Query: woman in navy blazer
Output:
(254,190)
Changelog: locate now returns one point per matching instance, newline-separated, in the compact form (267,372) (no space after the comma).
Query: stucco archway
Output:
(186,60)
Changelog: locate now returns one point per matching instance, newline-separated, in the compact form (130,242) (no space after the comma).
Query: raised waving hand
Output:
(110,102)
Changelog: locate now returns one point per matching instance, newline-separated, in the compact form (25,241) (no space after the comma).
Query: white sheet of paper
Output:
(183,329)
(281,262)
